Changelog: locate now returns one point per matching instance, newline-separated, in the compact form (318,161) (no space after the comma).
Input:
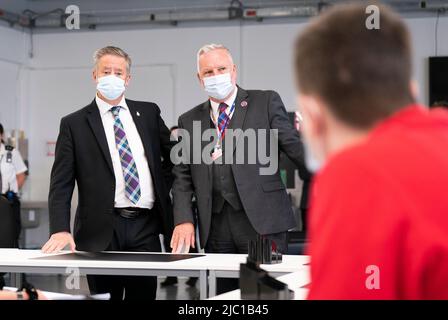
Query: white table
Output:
(21,261)
(207,267)
(228,266)
(296,281)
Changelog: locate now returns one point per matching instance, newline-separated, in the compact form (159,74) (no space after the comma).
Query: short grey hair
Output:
(114,51)
(210,47)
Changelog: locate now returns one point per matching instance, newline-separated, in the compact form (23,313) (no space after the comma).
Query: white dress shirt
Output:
(9,171)
(214,114)
(138,152)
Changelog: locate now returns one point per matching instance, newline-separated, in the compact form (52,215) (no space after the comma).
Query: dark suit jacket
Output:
(7,224)
(82,156)
(264,197)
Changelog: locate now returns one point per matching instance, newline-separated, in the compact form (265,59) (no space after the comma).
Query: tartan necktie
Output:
(130,173)
(223,119)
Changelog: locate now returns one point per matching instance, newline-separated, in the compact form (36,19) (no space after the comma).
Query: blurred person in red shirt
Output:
(379,211)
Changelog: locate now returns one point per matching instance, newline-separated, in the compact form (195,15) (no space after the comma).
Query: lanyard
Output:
(221,133)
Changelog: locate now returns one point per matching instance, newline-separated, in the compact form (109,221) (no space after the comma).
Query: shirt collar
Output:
(229,101)
(105,107)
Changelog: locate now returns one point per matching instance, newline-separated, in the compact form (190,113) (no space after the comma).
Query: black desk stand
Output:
(256,283)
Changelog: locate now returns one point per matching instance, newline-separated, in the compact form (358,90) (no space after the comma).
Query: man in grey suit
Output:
(235,201)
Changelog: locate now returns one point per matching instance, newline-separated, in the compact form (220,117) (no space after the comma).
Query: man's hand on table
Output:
(12,295)
(40,295)
(59,241)
(183,237)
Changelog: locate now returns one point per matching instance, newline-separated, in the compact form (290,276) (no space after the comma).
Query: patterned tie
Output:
(128,165)
(223,119)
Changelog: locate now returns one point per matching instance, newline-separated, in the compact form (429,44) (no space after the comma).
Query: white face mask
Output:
(311,162)
(111,87)
(218,87)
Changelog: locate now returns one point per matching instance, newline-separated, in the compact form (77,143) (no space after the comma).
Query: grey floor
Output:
(57,283)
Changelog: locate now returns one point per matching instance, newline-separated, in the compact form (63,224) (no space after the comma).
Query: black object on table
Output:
(263,251)
(119,256)
(257,284)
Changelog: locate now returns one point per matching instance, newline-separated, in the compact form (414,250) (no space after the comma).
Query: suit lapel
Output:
(239,115)
(138,117)
(205,124)
(205,119)
(96,124)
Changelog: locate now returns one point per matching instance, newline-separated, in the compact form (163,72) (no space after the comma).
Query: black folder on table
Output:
(121,256)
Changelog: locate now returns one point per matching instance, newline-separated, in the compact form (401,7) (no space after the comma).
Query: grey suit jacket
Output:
(264,197)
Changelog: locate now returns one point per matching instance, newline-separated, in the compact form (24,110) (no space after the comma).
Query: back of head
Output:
(363,75)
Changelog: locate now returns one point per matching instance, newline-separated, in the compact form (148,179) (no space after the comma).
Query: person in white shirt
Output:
(12,177)
(12,167)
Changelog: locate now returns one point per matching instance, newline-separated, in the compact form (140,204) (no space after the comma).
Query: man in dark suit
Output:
(235,201)
(112,149)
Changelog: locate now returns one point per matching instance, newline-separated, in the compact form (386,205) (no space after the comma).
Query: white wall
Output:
(13,58)
(423,41)
(58,79)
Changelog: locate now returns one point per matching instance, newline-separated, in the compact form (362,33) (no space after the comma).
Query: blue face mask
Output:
(111,87)
(218,87)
